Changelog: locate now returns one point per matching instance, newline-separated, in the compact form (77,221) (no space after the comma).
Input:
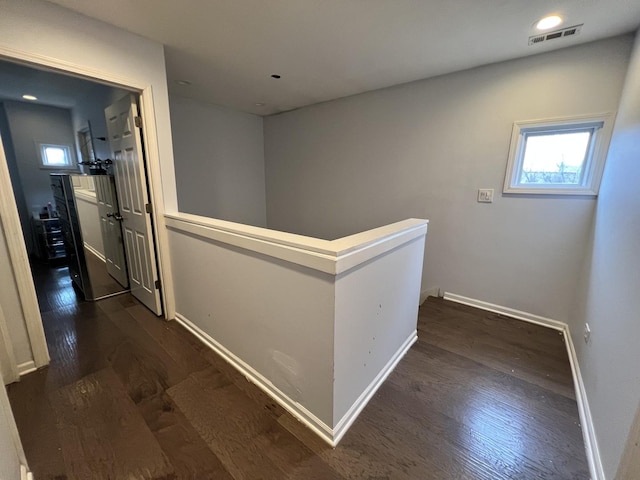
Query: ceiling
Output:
(50,88)
(327,49)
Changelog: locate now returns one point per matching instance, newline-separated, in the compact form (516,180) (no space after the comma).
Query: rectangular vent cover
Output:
(565,32)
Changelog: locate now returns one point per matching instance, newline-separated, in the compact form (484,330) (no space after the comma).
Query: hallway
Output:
(479,396)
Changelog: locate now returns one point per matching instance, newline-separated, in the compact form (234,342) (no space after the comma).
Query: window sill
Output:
(551,191)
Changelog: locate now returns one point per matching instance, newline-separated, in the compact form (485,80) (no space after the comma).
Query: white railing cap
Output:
(330,256)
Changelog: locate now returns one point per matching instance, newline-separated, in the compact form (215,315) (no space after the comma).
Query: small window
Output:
(562,156)
(55,156)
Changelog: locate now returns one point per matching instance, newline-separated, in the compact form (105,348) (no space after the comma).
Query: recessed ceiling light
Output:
(275,75)
(549,22)
(29,97)
(184,83)
(259,104)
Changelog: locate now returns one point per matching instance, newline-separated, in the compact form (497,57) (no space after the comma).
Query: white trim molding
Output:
(332,436)
(586,420)
(429,292)
(20,264)
(588,431)
(95,252)
(509,312)
(600,128)
(329,256)
(27,367)
(8,366)
(25,474)
(157,199)
(7,413)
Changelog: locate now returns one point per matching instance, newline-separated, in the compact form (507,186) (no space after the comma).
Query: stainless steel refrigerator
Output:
(89,220)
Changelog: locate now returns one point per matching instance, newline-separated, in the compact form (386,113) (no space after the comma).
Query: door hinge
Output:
(157,284)
(147,208)
(138,121)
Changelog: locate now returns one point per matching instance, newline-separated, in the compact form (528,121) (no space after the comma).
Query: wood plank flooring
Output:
(129,396)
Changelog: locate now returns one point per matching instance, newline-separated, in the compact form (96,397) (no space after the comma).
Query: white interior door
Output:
(110,227)
(133,197)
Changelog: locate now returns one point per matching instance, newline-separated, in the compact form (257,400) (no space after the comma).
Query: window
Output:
(55,156)
(561,156)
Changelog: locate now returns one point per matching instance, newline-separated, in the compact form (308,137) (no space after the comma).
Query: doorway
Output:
(74,107)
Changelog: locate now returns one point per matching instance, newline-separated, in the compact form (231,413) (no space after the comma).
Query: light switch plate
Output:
(485,195)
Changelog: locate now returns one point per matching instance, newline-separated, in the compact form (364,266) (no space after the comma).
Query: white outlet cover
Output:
(485,195)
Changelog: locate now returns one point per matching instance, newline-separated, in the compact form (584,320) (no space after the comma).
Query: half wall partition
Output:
(317,324)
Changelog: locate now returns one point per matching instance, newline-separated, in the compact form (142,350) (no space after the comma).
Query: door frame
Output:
(7,412)
(9,212)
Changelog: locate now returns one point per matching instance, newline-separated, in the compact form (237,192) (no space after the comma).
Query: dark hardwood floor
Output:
(129,396)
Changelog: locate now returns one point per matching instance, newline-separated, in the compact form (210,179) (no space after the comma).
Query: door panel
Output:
(126,149)
(111,228)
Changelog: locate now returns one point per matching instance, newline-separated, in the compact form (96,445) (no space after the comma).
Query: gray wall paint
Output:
(219,162)
(630,463)
(423,149)
(12,165)
(277,317)
(31,124)
(608,296)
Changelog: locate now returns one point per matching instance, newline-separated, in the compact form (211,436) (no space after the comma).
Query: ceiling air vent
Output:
(565,32)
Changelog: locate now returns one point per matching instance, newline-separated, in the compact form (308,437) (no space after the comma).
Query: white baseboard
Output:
(588,429)
(429,292)
(95,252)
(347,420)
(25,474)
(509,312)
(301,413)
(27,367)
(330,435)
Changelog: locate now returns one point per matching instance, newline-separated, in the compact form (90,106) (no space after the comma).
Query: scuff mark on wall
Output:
(286,374)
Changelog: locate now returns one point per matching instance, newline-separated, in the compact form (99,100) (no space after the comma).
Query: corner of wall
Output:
(605,295)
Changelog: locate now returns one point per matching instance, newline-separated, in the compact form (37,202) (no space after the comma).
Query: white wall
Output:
(31,124)
(219,161)
(423,149)
(608,297)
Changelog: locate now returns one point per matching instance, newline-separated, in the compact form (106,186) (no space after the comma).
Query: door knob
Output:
(115,216)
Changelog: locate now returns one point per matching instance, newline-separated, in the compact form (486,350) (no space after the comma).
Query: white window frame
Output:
(67,148)
(601,126)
